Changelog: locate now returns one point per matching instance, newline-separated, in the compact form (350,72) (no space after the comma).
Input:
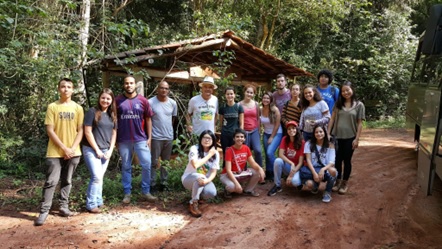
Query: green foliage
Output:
(371,43)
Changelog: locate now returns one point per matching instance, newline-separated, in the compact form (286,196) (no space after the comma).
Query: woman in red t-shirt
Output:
(235,172)
(290,160)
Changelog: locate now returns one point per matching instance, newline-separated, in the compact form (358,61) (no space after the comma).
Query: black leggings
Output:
(344,154)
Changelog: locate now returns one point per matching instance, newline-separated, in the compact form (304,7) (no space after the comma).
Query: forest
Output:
(371,43)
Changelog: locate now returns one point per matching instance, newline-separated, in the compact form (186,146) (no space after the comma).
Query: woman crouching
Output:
(320,157)
(201,170)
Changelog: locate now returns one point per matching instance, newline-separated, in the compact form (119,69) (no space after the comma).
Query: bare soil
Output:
(384,208)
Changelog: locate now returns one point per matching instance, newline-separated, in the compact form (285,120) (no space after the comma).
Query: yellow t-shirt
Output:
(65,118)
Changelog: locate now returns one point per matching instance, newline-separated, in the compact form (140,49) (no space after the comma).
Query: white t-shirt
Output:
(203,113)
(312,113)
(326,158)
(205,169)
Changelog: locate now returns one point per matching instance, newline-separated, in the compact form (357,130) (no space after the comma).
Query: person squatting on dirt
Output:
(346,126)
(64,126)
(134,134)
(165,112)
(231,117)
(201,170)
(252,122)
(271,121)
(329,94)
(314,111)
(290,160)
(235,173)
(320,157)
(100,134)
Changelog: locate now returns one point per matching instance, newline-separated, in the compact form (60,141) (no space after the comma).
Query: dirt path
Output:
(383,209)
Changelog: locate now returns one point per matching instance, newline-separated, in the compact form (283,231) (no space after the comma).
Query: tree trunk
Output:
(84,38)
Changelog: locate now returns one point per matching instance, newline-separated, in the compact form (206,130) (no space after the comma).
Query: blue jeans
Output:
(270,149)
(191,183)
(282,167)
(126,150)
(97,167)
(307,135)
(253,141)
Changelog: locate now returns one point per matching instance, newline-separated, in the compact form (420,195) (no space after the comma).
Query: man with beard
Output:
(281,96)
(134,134)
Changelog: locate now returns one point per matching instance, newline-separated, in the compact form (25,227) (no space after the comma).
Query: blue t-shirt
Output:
(131,116)
(329,97)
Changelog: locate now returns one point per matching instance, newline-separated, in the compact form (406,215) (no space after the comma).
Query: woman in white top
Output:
(271,120)
(320,156)
(314,111)
(201,170)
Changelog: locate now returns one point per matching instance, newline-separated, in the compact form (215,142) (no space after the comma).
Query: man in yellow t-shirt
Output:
(64,126)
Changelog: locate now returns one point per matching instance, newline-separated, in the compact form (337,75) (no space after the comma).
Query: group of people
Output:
(305,124)
(316,130)
(144,127)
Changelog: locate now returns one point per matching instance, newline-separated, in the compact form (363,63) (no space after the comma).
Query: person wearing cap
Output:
(202,110)
(329,93)
(290,160)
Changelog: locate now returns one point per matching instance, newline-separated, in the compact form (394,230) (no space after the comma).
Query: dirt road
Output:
(384,208)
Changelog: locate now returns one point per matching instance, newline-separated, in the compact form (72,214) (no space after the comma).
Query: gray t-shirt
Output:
(162,127)
(346,121)
(102,131)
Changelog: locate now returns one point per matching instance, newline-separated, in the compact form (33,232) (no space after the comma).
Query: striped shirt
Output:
(291,112)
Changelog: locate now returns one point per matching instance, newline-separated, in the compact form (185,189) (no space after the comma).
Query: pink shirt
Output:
(250,118)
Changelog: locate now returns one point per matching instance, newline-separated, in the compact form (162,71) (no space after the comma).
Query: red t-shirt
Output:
(290,152)
(241,156)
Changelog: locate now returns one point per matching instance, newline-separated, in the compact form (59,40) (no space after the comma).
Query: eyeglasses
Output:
(164,88)
(207,138)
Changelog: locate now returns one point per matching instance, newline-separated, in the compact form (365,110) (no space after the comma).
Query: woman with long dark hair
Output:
(314,111)
(231,117)
(346,126)
(201,170)
(290,160)
(320,157)
(271,121)
(98,143)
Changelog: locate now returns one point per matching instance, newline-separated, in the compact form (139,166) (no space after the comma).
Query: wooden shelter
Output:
(190,61)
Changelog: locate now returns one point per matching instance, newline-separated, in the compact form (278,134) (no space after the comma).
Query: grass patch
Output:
(386,123)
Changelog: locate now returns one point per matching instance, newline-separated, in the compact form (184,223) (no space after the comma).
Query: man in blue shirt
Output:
(330,94)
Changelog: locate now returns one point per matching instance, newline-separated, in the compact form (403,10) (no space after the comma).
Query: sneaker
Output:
(41,219)
(274,190)
(126,199)
(251,193)
(149,197)
(194,209)
(227,194)
(94,210)
(343,188)
(65,212)
(315,190)
(326,197)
